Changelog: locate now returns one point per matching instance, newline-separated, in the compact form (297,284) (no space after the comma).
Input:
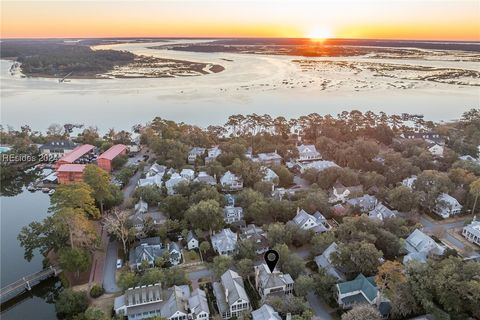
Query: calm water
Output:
(250,83)
(18,211)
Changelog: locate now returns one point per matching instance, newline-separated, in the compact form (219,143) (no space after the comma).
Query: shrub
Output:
(96,291)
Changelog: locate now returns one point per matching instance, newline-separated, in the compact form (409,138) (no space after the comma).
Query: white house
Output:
(265,312)
(381,212)
(230,181)
(188,174)
(213,153)
(141,207)
(176,303)
(275,282)
(472,231)
(308,153)
(232,214)
(195,152)
(174,180)
(340,193)
(225,242)
(232,299)
(409,182)
(316,222)
(156,169)
(447,206)
(155,180)
(192,240)
(318,165)
(269,159)
(436,150)
(270,176)
(205,178)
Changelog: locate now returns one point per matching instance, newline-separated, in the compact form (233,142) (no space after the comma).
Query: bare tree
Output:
(117,223)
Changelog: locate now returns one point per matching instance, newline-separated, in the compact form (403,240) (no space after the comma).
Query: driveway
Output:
(109,282)
(319,307)
(194,276)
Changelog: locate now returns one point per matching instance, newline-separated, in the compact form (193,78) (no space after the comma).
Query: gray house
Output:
(232,214)
(151,248)
(225,242)
(265,312)
(272,283)
(420,246)
(324,261)
(232,299)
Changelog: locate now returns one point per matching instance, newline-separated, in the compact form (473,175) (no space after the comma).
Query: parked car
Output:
(119,263)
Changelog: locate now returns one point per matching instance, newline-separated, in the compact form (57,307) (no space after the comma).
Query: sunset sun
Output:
(320,34)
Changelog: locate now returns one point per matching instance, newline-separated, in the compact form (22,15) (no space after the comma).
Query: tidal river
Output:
(250,83)
(18,210)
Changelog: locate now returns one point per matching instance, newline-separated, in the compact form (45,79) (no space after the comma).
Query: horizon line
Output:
(229,37)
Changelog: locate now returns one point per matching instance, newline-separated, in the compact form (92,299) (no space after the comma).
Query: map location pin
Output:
(271,258)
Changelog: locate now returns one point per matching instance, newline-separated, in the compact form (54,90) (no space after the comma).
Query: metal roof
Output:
(70,167)
(76,153)
(113,151)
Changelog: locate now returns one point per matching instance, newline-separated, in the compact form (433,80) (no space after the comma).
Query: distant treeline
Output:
(48,58)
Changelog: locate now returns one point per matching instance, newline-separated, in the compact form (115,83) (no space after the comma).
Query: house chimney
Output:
(298,210)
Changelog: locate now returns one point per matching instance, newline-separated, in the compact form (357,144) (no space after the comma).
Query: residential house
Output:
(365,203)
(225,242)
(317,165)
(147,302)
(156,169)
(265,312)
(140,218)
(272,283)
(270,176)
(194,154)
(340,193)
(198,305)
(213,153)
(56,149)
(232,299)
(152,180)
(141,207)
(269,159)
(205,178)
(324,261)
(409,182)
(469,158)
(381,212)
(173,182)
(192,240)
(308,153)
(231,182)
(420,246)
(472,231)
(447,206)
(151,248)
(361,290)
(140,302)
(316,222)
(257,235)
(188,174)
(436,150)
(232,214)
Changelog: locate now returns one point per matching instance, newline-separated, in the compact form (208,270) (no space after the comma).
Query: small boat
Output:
(45,190)
(31,188)
(51,192)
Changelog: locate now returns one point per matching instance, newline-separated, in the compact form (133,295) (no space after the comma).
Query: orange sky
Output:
(392,19)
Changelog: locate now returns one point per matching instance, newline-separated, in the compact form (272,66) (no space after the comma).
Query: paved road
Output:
(109,281)
(319,307)
(430,226)
(111,256)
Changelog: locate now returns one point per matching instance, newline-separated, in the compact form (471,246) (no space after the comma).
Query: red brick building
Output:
(75,155)
(70,173)
(104,161)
